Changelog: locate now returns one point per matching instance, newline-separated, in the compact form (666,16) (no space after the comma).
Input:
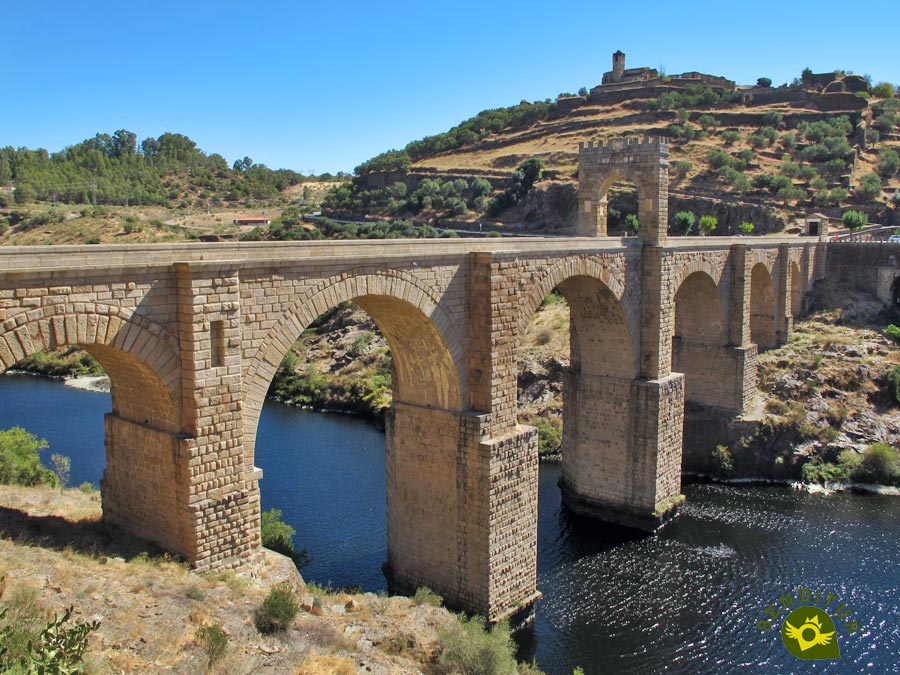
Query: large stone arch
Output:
(428,348)
(763,307)
(644,162)
(699,341)
(139,356)
(577,267)
(699,312)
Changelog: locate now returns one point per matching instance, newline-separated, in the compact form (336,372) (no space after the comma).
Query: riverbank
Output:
(56,553)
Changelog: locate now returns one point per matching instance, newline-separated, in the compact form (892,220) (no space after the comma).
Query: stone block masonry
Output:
(192,335)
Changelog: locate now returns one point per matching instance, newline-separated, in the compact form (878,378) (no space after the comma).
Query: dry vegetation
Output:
(54,553)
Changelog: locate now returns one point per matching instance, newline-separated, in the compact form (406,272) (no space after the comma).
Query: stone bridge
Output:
(191,336)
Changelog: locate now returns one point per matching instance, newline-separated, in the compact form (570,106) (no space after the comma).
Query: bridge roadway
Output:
(191,336)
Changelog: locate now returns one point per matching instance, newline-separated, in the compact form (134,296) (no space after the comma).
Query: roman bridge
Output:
(191,336)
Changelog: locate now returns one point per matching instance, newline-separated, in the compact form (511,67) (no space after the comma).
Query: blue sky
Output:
(327,85)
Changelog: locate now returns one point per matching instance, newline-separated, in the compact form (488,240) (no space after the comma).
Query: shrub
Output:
(469,649)
(883,90)
(277,611)
(684,221)
(869,187)
(888,162)
(893,376)
(683,167)
(62,467)
(746,227)
(425,596)
(772,118)
(278,536)
(631,223)
(213,641)
(549,437)
(19,460)
(721,461)
(731,136)
(707,122)
(58,650)
(879,464)
(708,224)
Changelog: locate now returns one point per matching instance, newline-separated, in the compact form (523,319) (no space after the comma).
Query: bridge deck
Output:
(60,258)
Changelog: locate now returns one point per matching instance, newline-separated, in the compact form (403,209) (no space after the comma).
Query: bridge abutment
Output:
(462,509)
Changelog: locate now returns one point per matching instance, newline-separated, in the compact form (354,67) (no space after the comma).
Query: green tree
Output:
(708,224)
(763,82)
(884,90)
(631,223)
(20,463)
(869,187)
(683,167)
(707,122)
(684,222)
(480,187)
(853,220)
(888,163)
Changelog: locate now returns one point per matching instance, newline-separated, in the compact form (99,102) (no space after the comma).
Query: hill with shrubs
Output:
(731,157)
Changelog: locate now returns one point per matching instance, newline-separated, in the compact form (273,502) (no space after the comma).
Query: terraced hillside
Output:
(767,163)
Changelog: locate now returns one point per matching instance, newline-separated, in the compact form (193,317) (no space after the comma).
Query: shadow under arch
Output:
(699,339)
(762,307)
(428,350)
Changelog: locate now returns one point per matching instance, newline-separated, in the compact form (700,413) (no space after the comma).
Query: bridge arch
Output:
(699,313)
(699,340)
(762,307)
(428,349)
(576,267)
(138,355)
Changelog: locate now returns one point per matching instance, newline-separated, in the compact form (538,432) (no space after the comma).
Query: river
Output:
(685,601)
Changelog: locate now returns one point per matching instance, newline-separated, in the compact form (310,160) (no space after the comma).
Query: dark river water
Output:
(685,601)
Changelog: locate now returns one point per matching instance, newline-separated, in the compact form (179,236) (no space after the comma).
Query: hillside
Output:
(762,154)
(112,189)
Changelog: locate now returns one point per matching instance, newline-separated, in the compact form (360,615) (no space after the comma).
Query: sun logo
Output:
(808,633)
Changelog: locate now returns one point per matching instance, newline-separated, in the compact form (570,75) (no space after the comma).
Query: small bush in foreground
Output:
(468,648)
(277,611)
(425,596)
(58,649)
(213,641)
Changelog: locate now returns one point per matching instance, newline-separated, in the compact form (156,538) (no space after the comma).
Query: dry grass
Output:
(326,664)
(150,606)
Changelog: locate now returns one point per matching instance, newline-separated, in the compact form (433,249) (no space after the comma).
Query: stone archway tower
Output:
(643,161)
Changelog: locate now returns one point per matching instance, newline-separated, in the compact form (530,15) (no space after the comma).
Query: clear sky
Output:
(327,85)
